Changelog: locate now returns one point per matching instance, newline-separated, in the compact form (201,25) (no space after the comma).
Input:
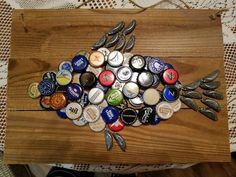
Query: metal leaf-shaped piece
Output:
(192,86)
(112,41)
(210,85)
(117,28)
(108,140)
(130,27)
(120,141)
(99,43)
(120,44)
(211,77)
(130,44)
(211,103)
(192,94)
(214,94)
(208,113)
(190,103)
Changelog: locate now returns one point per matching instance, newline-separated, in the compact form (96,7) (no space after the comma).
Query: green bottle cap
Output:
(114,97)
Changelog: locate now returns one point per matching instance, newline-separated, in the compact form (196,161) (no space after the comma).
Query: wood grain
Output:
(186,38)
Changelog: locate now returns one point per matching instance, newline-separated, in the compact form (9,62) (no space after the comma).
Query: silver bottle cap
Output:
(124,73)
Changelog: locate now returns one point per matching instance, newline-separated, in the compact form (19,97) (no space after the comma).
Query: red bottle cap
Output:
(170,76)
(117,125)
(106,78)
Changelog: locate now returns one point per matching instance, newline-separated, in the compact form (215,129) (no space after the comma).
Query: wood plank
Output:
(186,38)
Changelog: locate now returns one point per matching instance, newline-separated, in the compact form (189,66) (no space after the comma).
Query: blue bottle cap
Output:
(110,114)
(74,91)
(168,66)
(66,65)
(62,113)
(170,93)
(46,87)
(156,120)
(156,65)
(84,101)
(79,63)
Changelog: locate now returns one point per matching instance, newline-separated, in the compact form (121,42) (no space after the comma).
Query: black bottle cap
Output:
(88,80)
(128,116)
(146,115)
(137,63)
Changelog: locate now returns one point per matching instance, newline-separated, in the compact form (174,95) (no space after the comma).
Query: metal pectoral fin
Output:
(100,42)
(108,140)
(130,27)
(117,28)
(120,141)
(192,86)
(209,113)
(212,76)
(189,102)
(130,44)
(112,41)
(212,104)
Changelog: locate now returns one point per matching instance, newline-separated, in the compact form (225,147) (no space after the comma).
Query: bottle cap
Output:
(145,79)
(45,102)
(63,77)
(106,78)
(79,63)
(33,90)
(73,110)
(115,58)
(164,110)
(170,93)
(137,62)
(74,91)
(130,90)
(116,126)
(114,97)
(146,115)
(170,76)
(96,96)
(58,101)
(88,80)
(96,59)
(91,113)
(46,87)
(124,73)
(155,65)
(151,96)
(66,65)
(128,116)
(110,114)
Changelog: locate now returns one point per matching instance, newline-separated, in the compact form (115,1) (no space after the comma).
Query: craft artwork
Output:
(109,89)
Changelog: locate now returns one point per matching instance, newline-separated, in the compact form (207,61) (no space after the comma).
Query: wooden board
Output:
(41,39)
